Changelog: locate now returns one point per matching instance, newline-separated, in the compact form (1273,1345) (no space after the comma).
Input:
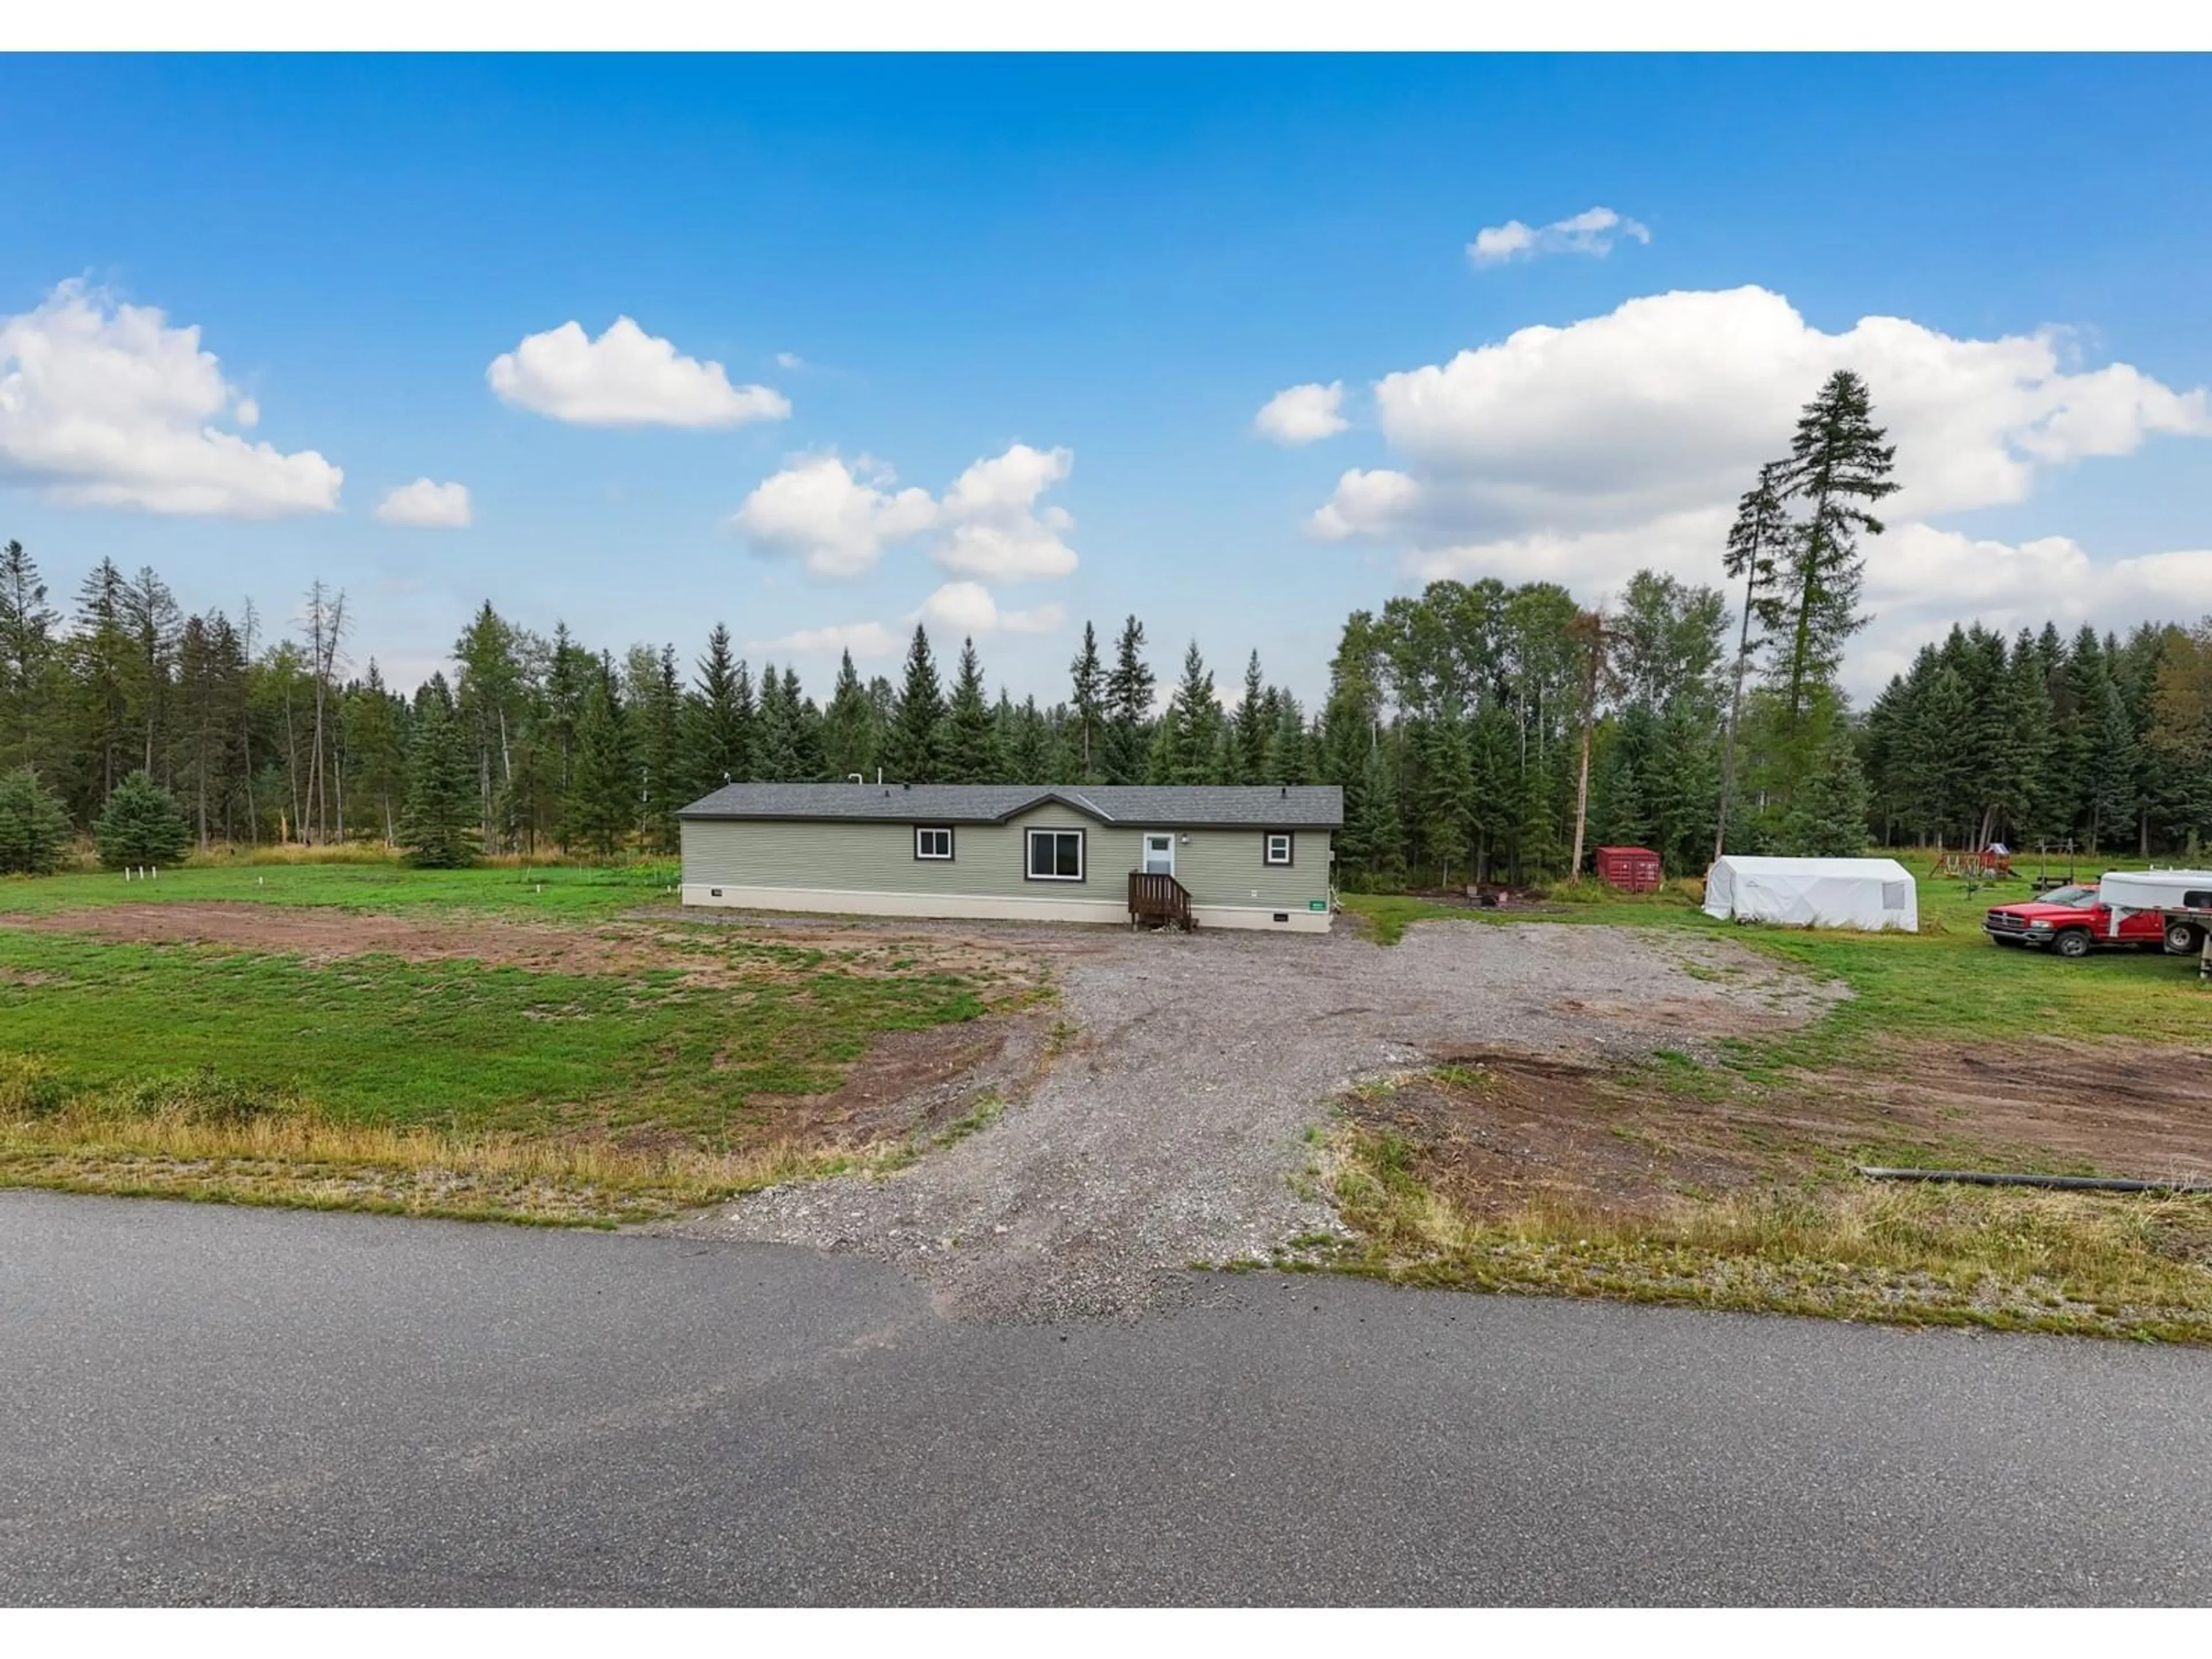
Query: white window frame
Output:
(1289,838)
(1029,853)
(944,829)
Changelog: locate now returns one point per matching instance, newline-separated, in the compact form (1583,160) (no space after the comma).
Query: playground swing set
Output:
(1993,863)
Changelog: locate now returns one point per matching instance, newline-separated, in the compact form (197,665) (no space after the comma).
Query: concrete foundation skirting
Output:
(975,907)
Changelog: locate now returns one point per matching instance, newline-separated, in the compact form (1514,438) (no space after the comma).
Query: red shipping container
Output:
(1632,869)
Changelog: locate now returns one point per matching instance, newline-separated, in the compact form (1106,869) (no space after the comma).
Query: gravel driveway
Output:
(1173,1129)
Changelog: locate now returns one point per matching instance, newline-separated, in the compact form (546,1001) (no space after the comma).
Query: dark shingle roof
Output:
(1267,806)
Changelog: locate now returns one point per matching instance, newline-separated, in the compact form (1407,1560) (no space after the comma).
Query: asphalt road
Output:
(202,1404)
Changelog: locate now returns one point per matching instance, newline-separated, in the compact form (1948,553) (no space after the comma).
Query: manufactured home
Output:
(1201,856)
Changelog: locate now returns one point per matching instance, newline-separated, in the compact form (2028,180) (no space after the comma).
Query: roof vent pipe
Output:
(857,777)
(1286,792)
(906,786)
(880,775)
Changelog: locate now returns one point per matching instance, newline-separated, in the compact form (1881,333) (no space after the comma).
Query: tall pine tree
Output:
(914,746)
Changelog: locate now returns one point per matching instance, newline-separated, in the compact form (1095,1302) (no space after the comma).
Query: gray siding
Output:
(1220,866)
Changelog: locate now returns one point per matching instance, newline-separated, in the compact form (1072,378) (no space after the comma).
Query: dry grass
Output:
(210,1139)
(2102,1265)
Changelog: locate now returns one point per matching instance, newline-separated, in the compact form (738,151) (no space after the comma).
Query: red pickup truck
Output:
(2069,920)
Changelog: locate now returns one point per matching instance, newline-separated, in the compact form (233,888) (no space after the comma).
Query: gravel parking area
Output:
(1173,1127)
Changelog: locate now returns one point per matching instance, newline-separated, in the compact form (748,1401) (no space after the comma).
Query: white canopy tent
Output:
(1869,893)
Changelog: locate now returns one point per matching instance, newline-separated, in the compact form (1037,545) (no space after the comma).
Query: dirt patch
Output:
(2123,1108)
(1496,1131)
(704,954)
(914,1082)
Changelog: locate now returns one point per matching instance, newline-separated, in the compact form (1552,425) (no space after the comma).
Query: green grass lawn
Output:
(455,1045)
(240,1073)
(556,893)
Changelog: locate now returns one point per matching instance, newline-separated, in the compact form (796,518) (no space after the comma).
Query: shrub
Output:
(29,1088)
(141,825)
(34,831)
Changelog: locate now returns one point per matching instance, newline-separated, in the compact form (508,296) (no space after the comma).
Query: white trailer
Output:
(2184,898)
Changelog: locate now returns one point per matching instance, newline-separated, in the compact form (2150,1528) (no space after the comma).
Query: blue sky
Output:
(1112,263)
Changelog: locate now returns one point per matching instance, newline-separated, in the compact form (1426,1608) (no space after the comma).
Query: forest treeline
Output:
(1477,729)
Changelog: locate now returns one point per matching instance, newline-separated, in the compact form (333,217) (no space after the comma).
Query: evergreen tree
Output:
(488,702)
(149,614)
(1088,707)
(34,829)
(141,825)
(776,758)
(805,727)
(717,724)
(1536,848)
(1029,750)
(1255,724)
(1443,786)
(2025,779)
(1187,734)
(658,701)
(375,726)
(1383,828)
(1839,466)
(1490,750)
(1828,817)
(1126,757)
(601,803)
(970,735)
(850,742)
(912,747)
(1621,811)
(567,681)
(28,662)
(102,675)
(437,823)
(2111,761)
(1290,749)
(1761,528)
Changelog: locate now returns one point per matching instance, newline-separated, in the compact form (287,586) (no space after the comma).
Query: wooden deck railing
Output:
(1157,897)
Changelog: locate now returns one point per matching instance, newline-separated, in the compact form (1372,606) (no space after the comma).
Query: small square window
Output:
(1279,846)
(932,841)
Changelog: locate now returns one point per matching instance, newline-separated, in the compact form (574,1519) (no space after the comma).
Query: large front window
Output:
(1056,855)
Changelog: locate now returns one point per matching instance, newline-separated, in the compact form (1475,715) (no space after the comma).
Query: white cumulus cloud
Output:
(1593,231)
(106,405)
(624,378)
(1671,402)
(996,529)
(1579,454)
(968,608)
(1303,414)
(837,518)
(428,506)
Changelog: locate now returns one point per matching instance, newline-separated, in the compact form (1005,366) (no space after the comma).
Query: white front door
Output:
(1159,853)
